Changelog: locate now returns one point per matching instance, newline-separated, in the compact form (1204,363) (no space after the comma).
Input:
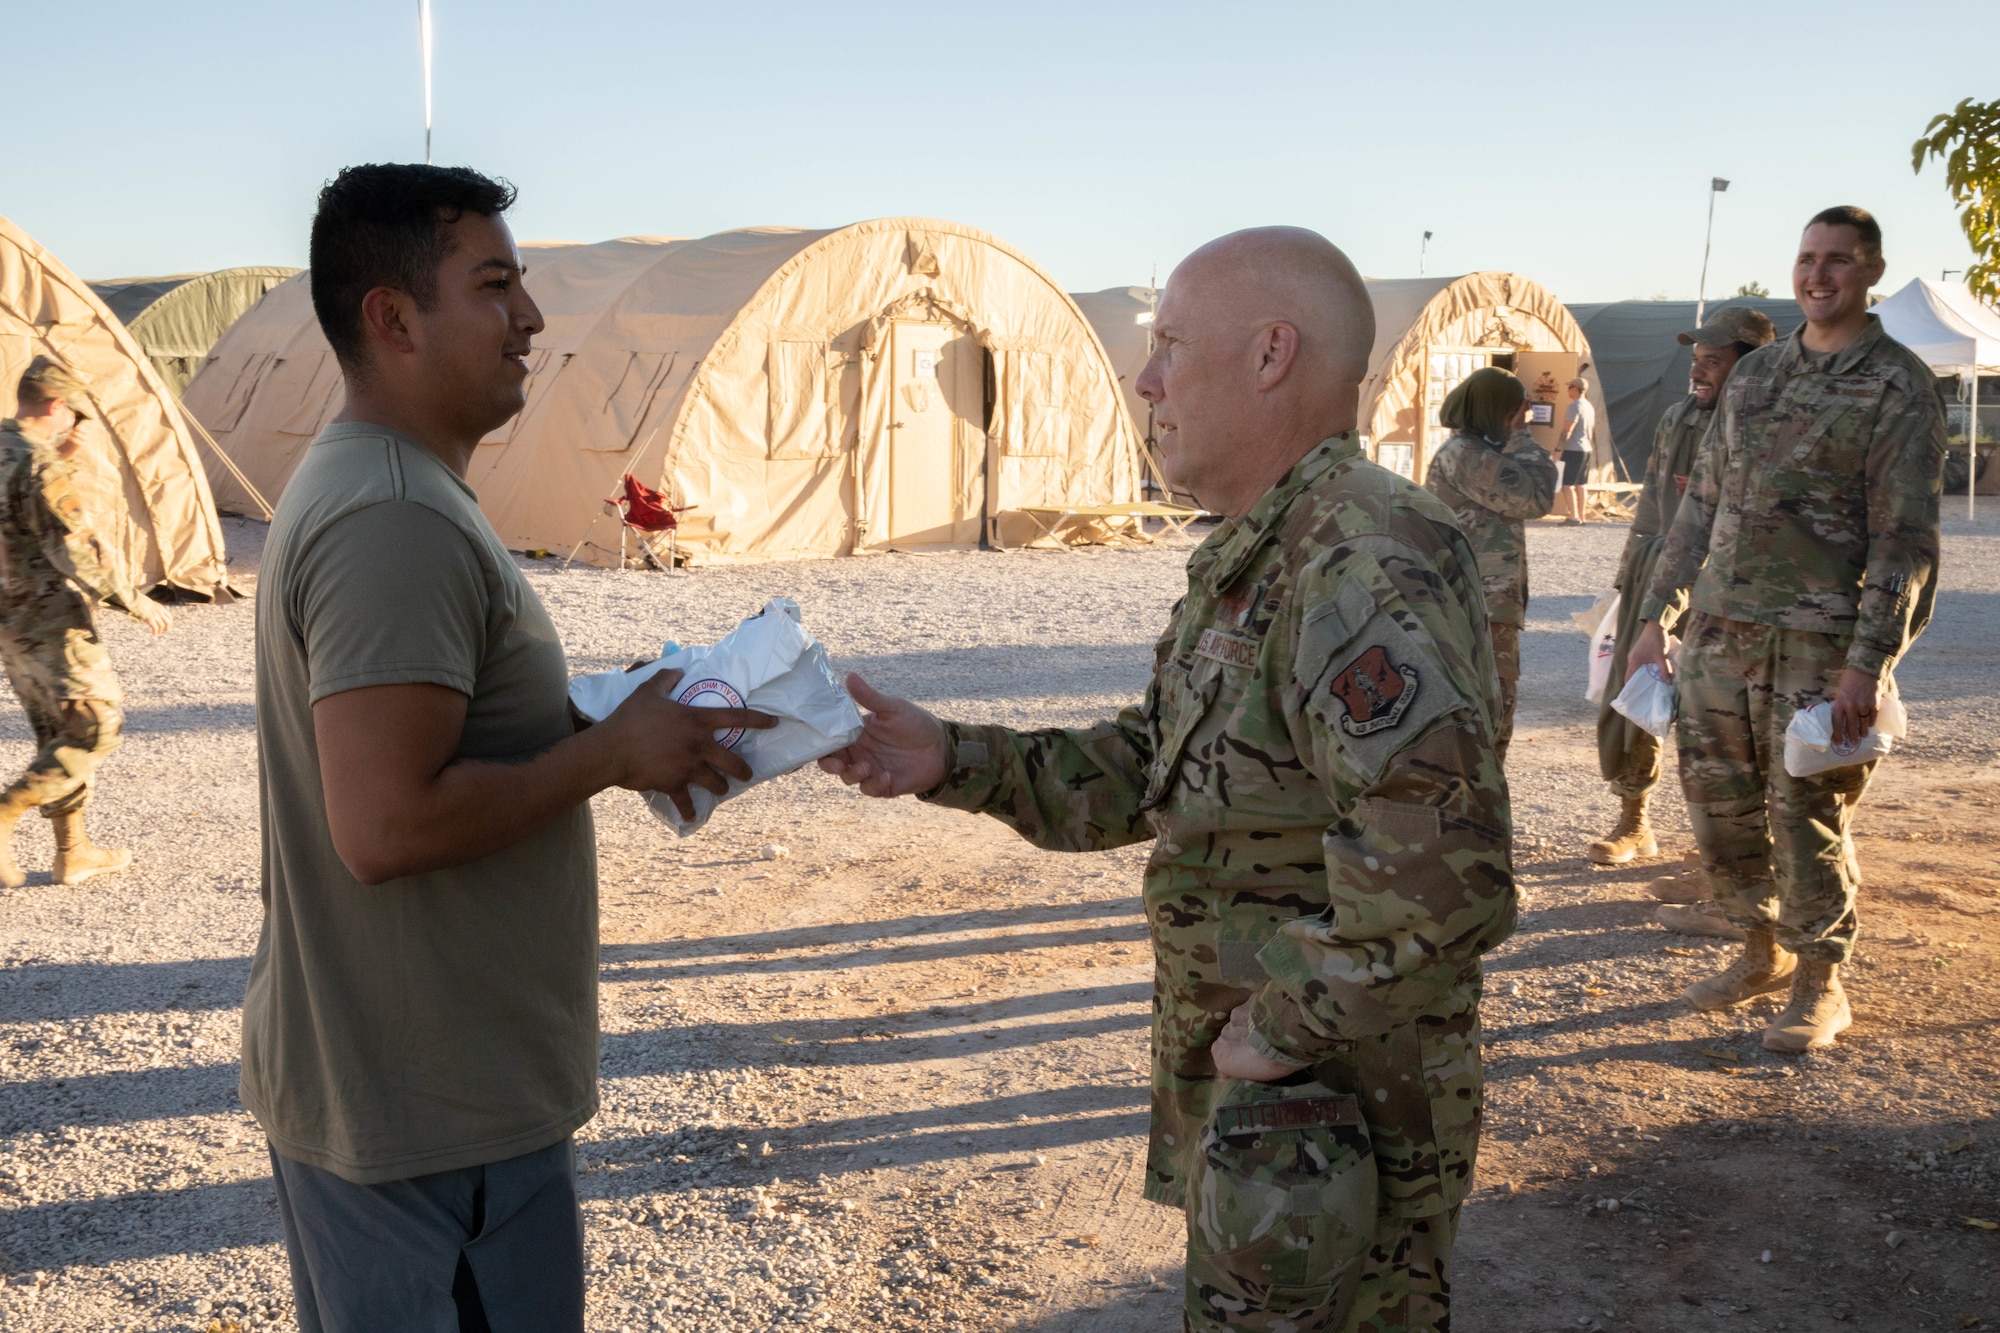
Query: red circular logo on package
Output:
(713,693)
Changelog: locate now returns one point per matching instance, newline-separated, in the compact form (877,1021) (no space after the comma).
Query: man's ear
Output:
(382,311)
(1277,352)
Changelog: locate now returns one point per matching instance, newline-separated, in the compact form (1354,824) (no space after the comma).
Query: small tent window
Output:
(244,373)
(296,390)
(800,384)
(1045,395)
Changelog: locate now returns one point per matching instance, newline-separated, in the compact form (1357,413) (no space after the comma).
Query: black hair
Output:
(383,225)
(1743,349)
(1847,215)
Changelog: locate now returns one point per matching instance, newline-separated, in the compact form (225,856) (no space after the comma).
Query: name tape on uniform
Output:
(1292,1113)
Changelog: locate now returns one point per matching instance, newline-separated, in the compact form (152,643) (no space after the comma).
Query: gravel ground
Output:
(863,1063)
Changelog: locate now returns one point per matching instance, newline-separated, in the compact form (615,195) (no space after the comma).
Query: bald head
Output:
(1291,275)
(1260,346)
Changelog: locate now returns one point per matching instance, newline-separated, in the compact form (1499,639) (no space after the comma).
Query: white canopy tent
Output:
(1955,334)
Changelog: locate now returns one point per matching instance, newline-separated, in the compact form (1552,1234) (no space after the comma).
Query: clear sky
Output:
(1570,142)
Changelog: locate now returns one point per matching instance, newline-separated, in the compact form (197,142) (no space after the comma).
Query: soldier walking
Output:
(52,568)
(1492,476)
(1314,762)
(1627,754)
(1807,549)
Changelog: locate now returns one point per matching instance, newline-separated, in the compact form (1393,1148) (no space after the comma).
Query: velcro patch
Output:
(1228,649)
(1292,1113)
(1375,692)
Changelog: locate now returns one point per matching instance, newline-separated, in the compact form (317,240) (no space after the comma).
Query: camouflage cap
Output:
(50,381)
(1731,324)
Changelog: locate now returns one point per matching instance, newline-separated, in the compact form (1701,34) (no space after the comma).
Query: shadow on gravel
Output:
(121,1228)
(892,933)
(1774,1219)
(47,1105)
(57,992)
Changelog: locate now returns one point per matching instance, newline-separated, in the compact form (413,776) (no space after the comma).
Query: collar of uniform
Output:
(21,428)
(1798,359)
(1230,547)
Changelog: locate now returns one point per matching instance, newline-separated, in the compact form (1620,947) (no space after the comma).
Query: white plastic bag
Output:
(1603,642)
(768,663)
(1809,746)
(1648,701)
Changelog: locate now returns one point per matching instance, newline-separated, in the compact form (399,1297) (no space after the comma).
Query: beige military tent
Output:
(1430,333)
(175,320)
(899,383)
(143,482)
(1122,318)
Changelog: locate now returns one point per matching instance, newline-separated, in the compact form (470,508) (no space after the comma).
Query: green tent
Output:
(176,320)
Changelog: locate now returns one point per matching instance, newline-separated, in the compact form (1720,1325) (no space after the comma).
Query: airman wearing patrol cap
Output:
(1628,755)
(52,570)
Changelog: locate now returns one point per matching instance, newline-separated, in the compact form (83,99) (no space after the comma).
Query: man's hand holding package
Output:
(902,750)
(667,746)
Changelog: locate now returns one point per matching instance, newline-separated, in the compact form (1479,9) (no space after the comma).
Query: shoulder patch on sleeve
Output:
(1372,683)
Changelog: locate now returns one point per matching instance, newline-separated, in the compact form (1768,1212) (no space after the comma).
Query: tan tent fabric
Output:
(803,393)
(175,320)
(1114,314)
(145,489)
(1418,319)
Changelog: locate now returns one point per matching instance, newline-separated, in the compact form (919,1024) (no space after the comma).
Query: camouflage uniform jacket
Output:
(1676,441)
(1492,490)
(1814,500)
(1313,758)
(49,558)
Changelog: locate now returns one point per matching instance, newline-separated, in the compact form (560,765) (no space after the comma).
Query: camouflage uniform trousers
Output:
(1628,756)
(63,678)
(1775,847)
(1287,1228)
(1507,663)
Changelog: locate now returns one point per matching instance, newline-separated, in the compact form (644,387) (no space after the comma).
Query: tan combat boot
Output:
(1817,1014)
(1762,967)
(1632,838)
(13,805)
(1689,886)
(77,857)
(1699,919)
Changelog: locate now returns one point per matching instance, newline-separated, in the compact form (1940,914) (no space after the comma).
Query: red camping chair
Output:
(643,510)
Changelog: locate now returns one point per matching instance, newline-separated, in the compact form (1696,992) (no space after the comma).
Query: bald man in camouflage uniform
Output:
(1807,547)
(1627,754)
(52,568)
(1314,762)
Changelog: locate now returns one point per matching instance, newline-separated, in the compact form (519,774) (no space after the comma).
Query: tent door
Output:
(1547,376)
(937,443)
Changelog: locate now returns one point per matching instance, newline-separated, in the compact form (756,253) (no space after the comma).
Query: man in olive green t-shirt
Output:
(420,1030)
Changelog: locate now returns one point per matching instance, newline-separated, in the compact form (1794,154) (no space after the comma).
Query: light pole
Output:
(1716,185)
(424,36)
(1421,251)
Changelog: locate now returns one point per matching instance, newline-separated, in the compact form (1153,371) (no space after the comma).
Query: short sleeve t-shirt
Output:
(441,1020)
(1579,424)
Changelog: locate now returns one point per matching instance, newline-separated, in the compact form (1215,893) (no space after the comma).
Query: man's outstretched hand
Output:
(1236,1058)
(902,748)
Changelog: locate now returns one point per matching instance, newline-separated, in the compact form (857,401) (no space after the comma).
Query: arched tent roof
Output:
(1115,315)
(143,483)
(805,393)
(1643,365)
(1429,332)
(175,320)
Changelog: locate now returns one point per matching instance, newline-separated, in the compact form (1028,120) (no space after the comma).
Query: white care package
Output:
(1809,746)
(769,663)
(1648,701)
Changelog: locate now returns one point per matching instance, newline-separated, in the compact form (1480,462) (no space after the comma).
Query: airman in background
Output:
(1313,761)
(1806,551)
(52,569)
(1493,476)
(1627,754)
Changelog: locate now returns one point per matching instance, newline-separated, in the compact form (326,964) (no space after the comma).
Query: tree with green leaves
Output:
(1967,139)
(1753,288)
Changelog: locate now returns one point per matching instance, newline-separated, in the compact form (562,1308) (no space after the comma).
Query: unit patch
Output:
(1375,692)
(1292,1113)
(1228,649)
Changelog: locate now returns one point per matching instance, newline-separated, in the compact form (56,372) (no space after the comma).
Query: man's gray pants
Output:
(485,1249)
